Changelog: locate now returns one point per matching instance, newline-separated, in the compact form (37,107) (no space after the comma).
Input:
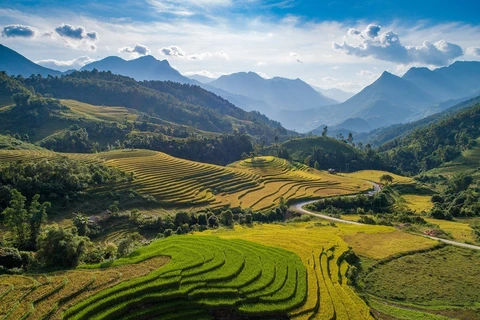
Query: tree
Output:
(325,131)
(61,248)
(202,219)
(386,178)
(16,217)
(350,138)
(226,218)
(38,216)
(316,165)
(81,222)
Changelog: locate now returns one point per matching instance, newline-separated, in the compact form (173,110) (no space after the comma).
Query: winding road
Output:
(298,207)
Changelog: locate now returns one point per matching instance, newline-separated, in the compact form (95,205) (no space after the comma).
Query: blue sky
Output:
(342,44)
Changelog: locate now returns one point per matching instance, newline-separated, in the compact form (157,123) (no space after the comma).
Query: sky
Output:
(327,43)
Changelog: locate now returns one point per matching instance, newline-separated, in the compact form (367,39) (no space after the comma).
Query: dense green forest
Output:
(431,146)
(47,122)
(174,102)
(328,153)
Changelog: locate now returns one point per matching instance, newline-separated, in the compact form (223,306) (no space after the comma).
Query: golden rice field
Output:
(459,231)
(418,203)
(47,296)
(322,249)
(374,175)
(100,112)
(258,184)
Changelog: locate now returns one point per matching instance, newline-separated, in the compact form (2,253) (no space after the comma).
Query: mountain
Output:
(390,99)
(464,72)
(201,79)
(435,83)
(14,63)
(382,135)
(279,93)
(143,68)
(335,94)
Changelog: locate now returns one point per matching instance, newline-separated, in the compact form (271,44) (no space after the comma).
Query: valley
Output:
(158,177)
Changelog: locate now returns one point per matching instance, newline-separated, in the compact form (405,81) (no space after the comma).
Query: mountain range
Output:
(389,100)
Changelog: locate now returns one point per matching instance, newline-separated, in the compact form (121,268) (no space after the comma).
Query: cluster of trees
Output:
(382,202)
(429,147)
(328,153)
(221,150)
(458,199)
(60,181)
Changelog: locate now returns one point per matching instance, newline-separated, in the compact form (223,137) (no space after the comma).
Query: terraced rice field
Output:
(205,274)
(322,249)
(47,296)
(258,184)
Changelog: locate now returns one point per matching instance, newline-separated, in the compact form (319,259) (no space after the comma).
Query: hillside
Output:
(258,184)
(328,153)
(14,63)
(8,87)
(172,102)
(429,147)
(382,135)
(335,94)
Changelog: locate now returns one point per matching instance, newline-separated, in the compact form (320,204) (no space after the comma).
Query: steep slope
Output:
(143,68)
(279,93)
(14,63)
(382,135)
(390,98)
(429,147)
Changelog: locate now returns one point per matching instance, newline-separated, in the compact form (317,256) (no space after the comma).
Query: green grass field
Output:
(442,279)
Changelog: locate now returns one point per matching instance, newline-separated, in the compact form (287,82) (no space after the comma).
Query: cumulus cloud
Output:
(66,64)
(474,51)
(18,31)
(387,46)
(77,37)
(78,33)
(174,51)
(138,49)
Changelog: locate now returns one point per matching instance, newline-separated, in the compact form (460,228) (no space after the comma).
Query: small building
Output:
(332,171)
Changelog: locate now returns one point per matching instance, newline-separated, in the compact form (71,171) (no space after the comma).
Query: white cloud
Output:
(67,64)
(137,50)
(77,37)
(387,46)
(173,51)
(474,51)
(18,31)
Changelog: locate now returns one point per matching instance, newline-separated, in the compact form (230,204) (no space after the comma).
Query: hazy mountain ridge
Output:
(14,63)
